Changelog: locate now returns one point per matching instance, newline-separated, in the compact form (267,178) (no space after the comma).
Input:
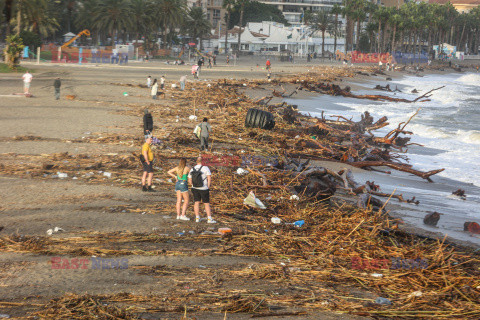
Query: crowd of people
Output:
(198,176)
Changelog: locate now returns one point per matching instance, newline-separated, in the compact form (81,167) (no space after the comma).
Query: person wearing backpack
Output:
(200,178)
(205,129)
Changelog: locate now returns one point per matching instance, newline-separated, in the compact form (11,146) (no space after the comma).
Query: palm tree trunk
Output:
(226,31)
(19,16)
(385,36)
(335,35)
(323,43)
(165,36)
(240,23)
(379,33)
(393,39)
(357,42)
(349,34)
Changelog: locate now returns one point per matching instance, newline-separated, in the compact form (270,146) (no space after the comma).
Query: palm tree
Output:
(197,24)
(228,6)
(8,15)
(111,16)
(336,10)
(141,20)
(85,17)
(170,14)
(35,16)
(242,4)
(320,21)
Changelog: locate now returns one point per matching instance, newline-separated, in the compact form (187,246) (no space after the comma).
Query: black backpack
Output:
(197,180)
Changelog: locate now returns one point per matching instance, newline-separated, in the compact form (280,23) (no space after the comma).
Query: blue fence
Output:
(409,58)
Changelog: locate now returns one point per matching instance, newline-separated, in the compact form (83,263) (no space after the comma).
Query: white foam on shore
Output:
(448,126)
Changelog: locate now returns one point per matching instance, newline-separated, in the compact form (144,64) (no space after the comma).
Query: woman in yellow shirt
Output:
(147,163)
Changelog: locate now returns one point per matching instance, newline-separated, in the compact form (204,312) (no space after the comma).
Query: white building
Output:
(293,9)
(275,38)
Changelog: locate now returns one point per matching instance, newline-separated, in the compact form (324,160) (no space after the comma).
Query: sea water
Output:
(446,134)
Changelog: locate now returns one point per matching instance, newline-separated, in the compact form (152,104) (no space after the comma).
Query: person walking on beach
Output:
(147,123)
(183,79)
(27,79)
(162,82)
(147,163)
(228,59)
(205,129)
(180,174)
(200,178)
(56,85)
(214,60)
(154,89)
(268,64)
(149,81)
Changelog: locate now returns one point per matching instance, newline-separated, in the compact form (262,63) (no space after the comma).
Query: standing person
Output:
(195,71)
(180,173)
(162,82)
(147,123)
(214,60)
(200,178)
(27,79)
(268,64)
(56,85)
(209,62)
(147,163)
(149,81)
(183,79)
(154,89)
(380,65)
(205,129)
(228,59)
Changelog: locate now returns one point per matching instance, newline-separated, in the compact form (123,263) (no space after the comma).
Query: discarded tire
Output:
(259,119)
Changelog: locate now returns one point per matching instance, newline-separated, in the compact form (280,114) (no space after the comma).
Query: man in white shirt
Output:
(27,79)
(201,189)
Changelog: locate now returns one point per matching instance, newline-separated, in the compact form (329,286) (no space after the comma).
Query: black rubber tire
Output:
(248,118)
(253,118)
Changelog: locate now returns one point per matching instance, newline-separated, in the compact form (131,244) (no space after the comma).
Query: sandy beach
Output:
(100,131)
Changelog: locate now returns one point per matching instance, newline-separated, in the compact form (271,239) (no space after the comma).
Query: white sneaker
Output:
(197,219)
(178,217)
(211,221)
(184,218)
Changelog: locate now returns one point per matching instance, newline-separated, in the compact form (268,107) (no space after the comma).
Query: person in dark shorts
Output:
(147,163)
(201,189)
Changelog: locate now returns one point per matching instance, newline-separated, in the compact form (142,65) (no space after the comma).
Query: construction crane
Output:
(69,42)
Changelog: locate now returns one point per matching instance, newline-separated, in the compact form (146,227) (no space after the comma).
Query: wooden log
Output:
(396,166)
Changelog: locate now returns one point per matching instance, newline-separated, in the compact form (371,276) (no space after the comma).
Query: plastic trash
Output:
(125,94)
(107,174)
(415,294)
(49,232)
(57,229)
(294,197)
(299,223)
(62,175)
(252,201)
(384,301)
(377,275)
(193,117)
(276,220)
(224,231)
(241,171)
(4,316)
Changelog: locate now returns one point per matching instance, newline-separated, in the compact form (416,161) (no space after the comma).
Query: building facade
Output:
(293,9)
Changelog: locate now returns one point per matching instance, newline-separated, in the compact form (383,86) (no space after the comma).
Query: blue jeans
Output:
(182,85)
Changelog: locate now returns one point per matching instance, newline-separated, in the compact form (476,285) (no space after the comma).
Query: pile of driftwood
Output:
(326,262)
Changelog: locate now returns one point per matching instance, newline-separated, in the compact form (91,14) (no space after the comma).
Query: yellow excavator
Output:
(69,42)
